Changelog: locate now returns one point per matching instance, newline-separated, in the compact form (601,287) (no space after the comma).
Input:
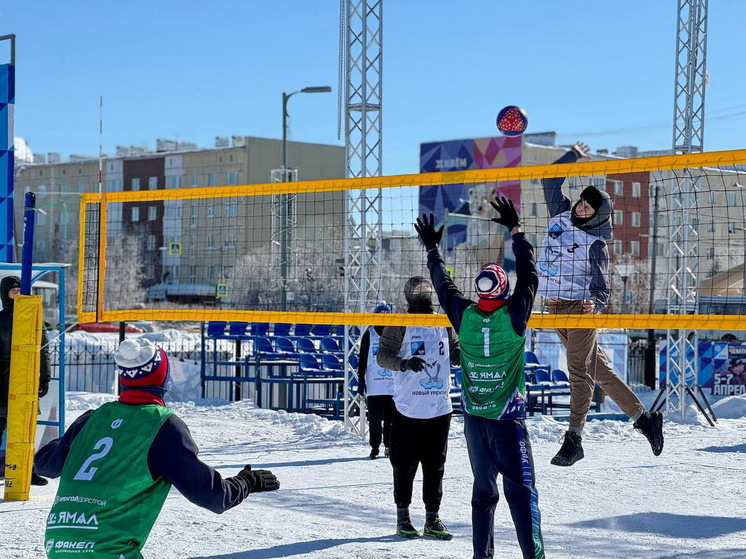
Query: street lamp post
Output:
(624,271)
(286,203)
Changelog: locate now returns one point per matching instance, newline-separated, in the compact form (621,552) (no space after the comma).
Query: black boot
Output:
(36,479)
(373,453)
(571,450)
(650,424)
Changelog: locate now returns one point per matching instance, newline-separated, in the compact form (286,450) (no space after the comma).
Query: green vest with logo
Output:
(492,363)
(107,501)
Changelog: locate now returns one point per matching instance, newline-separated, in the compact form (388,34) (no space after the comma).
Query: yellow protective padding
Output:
(23,395)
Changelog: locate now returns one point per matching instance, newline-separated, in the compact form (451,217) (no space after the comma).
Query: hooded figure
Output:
(598,224)
(7,284)
(419,294)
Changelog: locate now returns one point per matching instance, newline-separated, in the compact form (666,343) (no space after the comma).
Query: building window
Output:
(152,183)
(152,213)
(193,215)
(135,184)
(617,248)
(231,210)
(710,253)
(195,180)
(150,245)
(211,272)
(636,190)
(231,177)
(192,272)
(732,200)
(212,179)
(661,249)
(534,210)
(634,248)
(230,240)
(135,214)
(636,217)
(618,217)
(732,228)
(210,242)
(618,188)
(711,226)
(211,210)
(713,197)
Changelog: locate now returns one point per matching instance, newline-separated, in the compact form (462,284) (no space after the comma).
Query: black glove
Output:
(259,480)
(415,364)
(43,387)
(425,228)
(508,214)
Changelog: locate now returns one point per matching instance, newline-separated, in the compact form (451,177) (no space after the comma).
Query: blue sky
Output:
(600,72)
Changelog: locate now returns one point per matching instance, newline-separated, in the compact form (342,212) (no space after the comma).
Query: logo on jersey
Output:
(555,230)
(417,347)
(433,381)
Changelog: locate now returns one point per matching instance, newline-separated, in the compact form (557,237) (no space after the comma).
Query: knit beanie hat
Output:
(593,196)
(492,282)
(382,307)
(143,372)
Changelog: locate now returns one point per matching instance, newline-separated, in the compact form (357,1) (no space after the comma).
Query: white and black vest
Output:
(425,394)
(564,264)
(379,381)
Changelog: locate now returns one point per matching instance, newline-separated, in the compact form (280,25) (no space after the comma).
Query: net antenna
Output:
(361,26)
(683,260)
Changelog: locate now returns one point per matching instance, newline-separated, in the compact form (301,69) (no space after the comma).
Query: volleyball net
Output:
(283,252)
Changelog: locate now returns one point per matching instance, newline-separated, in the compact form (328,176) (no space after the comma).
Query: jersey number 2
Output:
(86,471)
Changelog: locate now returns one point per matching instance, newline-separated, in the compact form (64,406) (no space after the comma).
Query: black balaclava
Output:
(419,294)
(8,283)
(600,221)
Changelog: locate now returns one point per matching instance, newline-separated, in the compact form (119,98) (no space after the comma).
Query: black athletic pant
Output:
(380,416)
(414,442)
(501,446)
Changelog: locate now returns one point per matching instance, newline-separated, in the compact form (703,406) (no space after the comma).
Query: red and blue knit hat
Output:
(492,282)
(143,371)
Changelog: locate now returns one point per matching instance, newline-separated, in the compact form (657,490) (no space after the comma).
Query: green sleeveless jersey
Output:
(107,501)
(492,363)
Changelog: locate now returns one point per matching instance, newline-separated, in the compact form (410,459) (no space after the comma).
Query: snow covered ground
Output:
(619,502)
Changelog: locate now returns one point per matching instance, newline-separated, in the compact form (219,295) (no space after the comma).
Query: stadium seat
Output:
(531,358)
(329,344)
(302,330)
(237,330)
(331,362)
(309,364)
(259,328)
(216,329)
(353,361)
(284,345)
(542,376)
(281,329)
(306,346)
(560,376)
(322,330)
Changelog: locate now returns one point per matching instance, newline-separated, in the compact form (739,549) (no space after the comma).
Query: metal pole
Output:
(284,207)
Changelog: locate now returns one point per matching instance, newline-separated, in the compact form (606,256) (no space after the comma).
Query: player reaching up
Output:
(492,336)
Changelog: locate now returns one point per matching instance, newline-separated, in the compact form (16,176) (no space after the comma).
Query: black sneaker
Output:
(405,529)
(650,424)
(373,453)
(436,529)
(36,479)
(571,450)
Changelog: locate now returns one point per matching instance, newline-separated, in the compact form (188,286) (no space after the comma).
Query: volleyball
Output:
(512,121)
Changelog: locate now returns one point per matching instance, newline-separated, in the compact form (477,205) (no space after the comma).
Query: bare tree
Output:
(125,267)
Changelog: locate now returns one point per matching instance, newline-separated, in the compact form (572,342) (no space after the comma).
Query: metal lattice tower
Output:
(688,136)
(361,34)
